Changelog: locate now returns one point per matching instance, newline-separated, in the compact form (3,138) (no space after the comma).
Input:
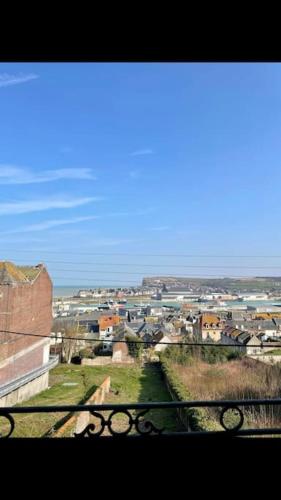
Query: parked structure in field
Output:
(26,310)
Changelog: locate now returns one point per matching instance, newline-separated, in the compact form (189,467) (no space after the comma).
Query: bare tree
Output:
(69,345)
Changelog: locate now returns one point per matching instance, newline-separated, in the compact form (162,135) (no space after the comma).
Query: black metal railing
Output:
(230,417)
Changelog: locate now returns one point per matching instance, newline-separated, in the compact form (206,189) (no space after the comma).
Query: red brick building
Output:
(25,307)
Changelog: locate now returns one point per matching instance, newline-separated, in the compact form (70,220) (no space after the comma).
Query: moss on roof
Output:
(30,271)
(10,273)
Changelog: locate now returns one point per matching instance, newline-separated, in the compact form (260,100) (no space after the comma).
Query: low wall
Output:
(107,360)
(98,361)
(26,391)
(97,398)
(127,360)
(268,359)
(80,421)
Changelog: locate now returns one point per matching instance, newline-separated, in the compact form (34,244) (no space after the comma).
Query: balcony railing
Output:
(230,416)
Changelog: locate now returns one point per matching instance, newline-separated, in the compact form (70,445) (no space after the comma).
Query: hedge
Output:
(194,419)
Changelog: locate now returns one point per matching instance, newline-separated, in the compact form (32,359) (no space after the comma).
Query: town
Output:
(160,314)
(107,336)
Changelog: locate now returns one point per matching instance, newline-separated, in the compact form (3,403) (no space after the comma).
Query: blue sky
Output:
(140,159)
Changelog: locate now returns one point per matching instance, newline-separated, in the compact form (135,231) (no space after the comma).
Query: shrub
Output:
(135,346)
(186,355)
(195,419)
(97,348)
(179,354)
(87,353)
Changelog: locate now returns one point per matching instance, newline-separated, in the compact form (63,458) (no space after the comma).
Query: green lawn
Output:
(128,384)
(274,352)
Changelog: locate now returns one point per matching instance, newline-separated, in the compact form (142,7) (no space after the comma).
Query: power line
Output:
(127,272)
(113,283)
(193,266)
(150,342)
(144,254)
(190,276)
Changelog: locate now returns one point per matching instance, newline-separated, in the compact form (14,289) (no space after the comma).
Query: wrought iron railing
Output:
(230,416)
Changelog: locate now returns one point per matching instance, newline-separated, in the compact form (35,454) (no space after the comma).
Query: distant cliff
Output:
(255,283)
(164,280)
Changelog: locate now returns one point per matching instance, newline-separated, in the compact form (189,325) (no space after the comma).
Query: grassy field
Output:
(240,379)
(274,352)
(128,384)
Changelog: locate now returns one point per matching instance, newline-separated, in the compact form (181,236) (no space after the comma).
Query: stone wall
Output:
(120,353)
(117,358)
(97,361)
(269,359)
(23,362)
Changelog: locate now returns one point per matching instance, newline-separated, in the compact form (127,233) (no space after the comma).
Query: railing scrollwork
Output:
(142,427)
(138,420)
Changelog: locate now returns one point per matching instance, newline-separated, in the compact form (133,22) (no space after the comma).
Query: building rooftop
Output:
(244,337)
(210,318)
(95,315)
(31,272)
(10,273)
(253,324)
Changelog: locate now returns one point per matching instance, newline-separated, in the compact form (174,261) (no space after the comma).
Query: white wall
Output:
(46,353)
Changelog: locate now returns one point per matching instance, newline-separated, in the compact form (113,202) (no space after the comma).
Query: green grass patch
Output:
(274,352)
(128,385)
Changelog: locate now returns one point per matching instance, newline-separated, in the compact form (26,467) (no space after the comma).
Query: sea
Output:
(69,291)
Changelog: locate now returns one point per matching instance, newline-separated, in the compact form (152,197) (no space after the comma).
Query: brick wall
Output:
(27,308)
(22,365)
(121,346)
(120,353)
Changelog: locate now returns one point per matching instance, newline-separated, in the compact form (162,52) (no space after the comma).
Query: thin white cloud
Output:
(19,238)
(84,243)
(159,228)
(21,207)
(142,211)
(142,152)
(10,174)
(6,79)
(48,224)
(110,242)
